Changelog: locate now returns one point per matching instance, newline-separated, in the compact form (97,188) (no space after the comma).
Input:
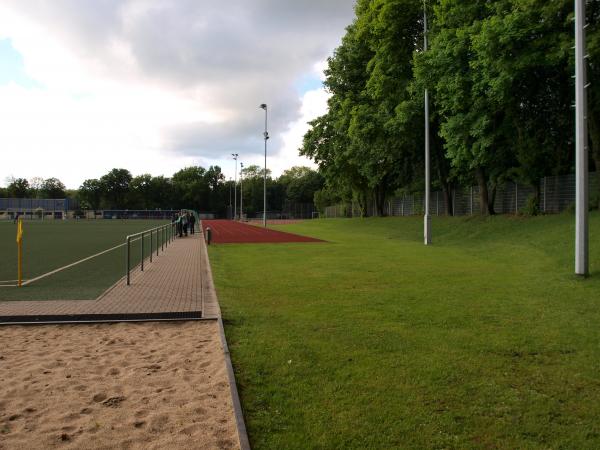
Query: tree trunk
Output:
(380,201)
(492,200)
(447,191)
(483,191)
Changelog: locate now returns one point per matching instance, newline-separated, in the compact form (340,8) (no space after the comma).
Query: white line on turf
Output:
(75,263)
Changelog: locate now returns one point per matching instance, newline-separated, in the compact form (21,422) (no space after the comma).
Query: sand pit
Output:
(105,386)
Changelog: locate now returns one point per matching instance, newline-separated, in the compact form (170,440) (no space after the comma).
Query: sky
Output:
(157,85)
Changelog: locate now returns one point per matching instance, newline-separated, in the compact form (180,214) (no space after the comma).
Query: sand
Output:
(104,386)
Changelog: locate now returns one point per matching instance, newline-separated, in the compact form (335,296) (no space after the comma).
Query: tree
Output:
(90,192)
(253,189)
(35,186)
(190,188)
(300,184)
(52,188)
(593,41)
(18,188)
(520,62)
(140,194)
(116,187)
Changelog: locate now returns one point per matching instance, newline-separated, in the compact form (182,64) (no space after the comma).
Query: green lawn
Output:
(49,245)
(371,340)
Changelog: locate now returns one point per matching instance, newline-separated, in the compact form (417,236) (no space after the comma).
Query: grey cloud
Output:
(239,53)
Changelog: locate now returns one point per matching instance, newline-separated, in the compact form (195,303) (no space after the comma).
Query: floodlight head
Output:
(263,106)
(266,135)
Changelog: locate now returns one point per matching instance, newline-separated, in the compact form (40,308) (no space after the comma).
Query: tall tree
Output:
(90,193)
(116,187)
(18,188)
(52,188)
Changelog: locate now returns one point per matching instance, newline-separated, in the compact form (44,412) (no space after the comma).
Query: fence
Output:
(557,193)
(293,210)
(164,235)
(35,208)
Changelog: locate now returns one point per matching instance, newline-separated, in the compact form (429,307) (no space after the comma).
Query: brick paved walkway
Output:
(177,284)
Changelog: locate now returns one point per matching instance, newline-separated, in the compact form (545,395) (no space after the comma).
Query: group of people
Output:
(184,221)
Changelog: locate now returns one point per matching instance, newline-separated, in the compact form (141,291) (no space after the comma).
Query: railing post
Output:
(151,246)
(162,241)
(127,259)
(157,239)
(142,260)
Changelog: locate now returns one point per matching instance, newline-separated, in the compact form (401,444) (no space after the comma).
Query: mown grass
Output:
(49,245)
(484,340)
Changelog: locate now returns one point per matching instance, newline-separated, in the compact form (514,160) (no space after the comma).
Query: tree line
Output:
(499,74)
(37,187)
(193,187)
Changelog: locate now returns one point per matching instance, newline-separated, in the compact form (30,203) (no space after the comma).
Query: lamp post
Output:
(235,156)
(266,136)
(581,144)
(427,217)
(241,191)
(230,180)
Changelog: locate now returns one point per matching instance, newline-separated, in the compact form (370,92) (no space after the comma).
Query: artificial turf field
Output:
(371,340)
(48,245)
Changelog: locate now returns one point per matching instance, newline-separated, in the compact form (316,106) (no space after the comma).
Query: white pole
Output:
(427,218)
(266,136)
(241,191)
(581,140)
(235,156)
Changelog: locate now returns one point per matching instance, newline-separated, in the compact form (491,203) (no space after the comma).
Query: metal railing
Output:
(164,235)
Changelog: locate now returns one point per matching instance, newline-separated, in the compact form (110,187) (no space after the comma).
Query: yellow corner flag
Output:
(19,231)
(20,250)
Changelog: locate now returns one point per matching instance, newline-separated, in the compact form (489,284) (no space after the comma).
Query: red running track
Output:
(230,232)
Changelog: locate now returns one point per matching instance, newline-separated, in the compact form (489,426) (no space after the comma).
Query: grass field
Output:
(49,245)
(371,340)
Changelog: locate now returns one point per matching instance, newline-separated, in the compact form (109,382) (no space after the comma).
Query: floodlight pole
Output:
(266,136)
(230,194)
(427,217)
(235,156)
(581,144)
(241,191)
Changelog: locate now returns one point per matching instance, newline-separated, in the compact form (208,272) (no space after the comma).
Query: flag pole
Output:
(20,251)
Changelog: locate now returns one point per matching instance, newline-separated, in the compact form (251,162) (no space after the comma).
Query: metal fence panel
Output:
(557,194)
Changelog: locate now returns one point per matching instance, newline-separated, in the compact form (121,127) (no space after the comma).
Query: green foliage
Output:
(499,78)
(532,207)
(18,188)
(52,188)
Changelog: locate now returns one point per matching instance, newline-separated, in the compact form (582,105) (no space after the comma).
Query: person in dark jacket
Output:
(192,223)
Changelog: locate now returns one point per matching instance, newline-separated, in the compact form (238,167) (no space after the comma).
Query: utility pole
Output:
(427,217)
(235,156)
(241,191)
(581,144)
(266,136)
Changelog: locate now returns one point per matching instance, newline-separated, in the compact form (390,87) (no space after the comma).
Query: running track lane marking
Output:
(75,263)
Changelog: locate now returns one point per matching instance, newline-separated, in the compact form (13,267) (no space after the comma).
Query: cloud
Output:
(181,80)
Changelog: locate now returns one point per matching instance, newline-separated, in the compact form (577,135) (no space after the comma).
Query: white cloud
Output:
(155,85)
(314,104)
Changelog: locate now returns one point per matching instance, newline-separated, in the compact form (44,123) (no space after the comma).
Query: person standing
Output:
(184,220)
(180,225)
(192,223)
